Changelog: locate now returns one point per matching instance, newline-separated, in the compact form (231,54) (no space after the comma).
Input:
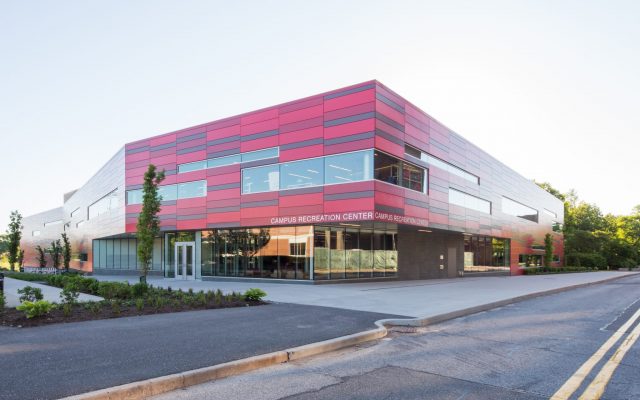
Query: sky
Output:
(550,88)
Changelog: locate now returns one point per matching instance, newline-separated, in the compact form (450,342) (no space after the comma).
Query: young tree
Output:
(20,258)
(548,250)
(42,260)
(66,251)
(56,252)
(148,222)
(14,232)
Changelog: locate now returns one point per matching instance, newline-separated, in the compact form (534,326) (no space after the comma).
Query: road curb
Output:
(163,384)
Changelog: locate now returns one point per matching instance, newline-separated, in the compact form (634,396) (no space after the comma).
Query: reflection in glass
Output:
(192,166)
(349,167)
(337,255)
(260,179)
(260,154)
(512,207)
(222,161)
(321,252)
(299,174)
(486,254)
(192,189)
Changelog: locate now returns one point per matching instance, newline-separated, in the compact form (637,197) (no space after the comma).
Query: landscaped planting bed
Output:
(121,300)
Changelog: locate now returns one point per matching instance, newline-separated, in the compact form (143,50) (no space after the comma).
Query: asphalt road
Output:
(527,350)
(64,359)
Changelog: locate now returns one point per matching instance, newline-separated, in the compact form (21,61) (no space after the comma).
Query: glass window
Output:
(379,256)
(443,165)
(468,201)
(349,167)
(134,196)
(168,192)
(412,151)
(52,223)
(550,213)
(35,233)
(321,252)
(337,256)
(74,212)
(387,168)
(260,154)
(104,205)
(133,254)
(352,253)
(192,166)
(412,177)
(222,161)
(116,254)
(260,179)
(189,190)
(299,174)
(302,245)
(366,253)
(512,207)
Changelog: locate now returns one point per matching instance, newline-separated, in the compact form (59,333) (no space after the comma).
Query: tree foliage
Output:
(14,234)
(148,222)
(56,253)
(594,239)
(548,250)
(42,259)
(66,251)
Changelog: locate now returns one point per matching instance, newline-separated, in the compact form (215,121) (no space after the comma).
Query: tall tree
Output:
(148,222)
(548,250)
(56,252)
(14,232)
(42,260)
(66,251)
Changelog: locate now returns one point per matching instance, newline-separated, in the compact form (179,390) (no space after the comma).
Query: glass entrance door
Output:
(185,256)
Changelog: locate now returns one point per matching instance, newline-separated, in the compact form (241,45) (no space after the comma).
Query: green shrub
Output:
(3,301)
(115,307)
(139,289)
(140,304)
(115,290)
(254,294)
(34,309)
(69,294)
(26,276)
(29,293)
(66,309)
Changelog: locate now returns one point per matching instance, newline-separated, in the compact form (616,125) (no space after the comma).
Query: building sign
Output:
(348,217)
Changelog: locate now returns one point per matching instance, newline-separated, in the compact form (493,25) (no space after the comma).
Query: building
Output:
(356,183)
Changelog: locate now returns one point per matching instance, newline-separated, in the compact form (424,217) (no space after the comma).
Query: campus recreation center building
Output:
(356,183)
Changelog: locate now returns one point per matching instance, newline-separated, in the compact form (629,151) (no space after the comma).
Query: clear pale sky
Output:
(551,88)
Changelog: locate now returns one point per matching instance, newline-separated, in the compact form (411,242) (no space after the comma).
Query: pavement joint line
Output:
(155,386)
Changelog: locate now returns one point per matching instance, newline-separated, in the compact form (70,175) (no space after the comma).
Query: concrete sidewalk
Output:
(427,298)
(49,293)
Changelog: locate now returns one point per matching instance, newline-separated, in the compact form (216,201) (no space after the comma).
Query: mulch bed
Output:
(15,318)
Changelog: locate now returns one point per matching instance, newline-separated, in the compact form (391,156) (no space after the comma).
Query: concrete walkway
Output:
(426,298)
(49,293)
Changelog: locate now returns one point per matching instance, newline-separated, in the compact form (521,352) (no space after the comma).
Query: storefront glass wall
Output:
(278,252)
(485,254)
(349,253)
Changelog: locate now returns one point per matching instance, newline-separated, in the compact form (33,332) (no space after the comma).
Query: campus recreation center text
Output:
(346,217)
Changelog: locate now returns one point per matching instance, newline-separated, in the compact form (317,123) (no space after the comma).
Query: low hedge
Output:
(555,270)
(108,290)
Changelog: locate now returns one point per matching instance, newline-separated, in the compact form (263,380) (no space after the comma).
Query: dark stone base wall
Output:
(420,255)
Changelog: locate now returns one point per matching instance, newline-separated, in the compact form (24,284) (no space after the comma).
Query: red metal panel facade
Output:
(359,117)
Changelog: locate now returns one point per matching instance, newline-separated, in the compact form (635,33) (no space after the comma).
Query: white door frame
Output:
(180,266)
